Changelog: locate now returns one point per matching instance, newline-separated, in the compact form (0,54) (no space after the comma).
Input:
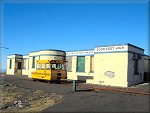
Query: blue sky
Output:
(72,26)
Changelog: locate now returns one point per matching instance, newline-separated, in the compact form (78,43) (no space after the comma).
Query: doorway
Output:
(18,68)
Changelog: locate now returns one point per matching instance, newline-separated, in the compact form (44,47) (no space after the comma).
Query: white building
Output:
(114,65)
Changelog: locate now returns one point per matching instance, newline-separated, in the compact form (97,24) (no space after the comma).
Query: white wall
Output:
(25,71)
(111,69)
(10,71)
(14,69)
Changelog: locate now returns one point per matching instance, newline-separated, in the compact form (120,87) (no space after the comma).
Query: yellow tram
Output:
(50,70)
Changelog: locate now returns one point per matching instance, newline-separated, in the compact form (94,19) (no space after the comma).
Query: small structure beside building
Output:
(14,64)
(147,68)
(114,65)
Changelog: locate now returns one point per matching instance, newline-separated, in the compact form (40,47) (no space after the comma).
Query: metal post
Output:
(74,86)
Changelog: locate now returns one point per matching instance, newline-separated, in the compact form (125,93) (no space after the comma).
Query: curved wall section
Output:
(44,55)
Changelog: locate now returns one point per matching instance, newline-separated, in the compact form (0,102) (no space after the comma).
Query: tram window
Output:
(47,66)
(38,66)
(42,66)
(53,66)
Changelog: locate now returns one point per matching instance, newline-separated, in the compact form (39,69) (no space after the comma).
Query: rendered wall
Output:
(26,71)
(111,69)
(8,70)
(74,74)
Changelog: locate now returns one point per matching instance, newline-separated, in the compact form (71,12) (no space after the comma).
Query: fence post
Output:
(74,86)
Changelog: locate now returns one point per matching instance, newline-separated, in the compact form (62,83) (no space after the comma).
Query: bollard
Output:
(74,86)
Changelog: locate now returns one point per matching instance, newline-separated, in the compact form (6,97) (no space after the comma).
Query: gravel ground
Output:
(17,99)
(84,100)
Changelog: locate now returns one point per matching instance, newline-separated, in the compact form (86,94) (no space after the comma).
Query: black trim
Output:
(25,58)
(146,55)
(84,77)
(112,45)
(135,53)
(134,46)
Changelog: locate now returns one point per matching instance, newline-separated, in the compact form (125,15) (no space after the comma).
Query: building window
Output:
(33,62)
(10,64)
(19,65)
(136,59)
(24,63)
(136,67)
(92,64)
(69,63)
(80,64)
(28,64)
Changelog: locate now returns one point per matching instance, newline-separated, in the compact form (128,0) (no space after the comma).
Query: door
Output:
(18,68)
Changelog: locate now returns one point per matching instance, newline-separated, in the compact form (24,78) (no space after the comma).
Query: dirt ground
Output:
(17,99)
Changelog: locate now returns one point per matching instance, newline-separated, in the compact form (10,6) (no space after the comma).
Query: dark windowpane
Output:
(19,65)
(33,62)
(10,64)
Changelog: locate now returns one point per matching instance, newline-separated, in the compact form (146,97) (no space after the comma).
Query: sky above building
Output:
(31,26)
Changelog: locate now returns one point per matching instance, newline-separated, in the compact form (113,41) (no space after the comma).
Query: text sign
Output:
(90,52)
(111,48)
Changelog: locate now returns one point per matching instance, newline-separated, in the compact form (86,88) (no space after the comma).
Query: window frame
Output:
(91,64)
(69,63)
(49,66)
(77,64)
(135,64)
(39,66)
(136,67)
(43,64)
(24,63)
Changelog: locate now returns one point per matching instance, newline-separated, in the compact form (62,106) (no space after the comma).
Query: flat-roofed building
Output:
(115,65)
